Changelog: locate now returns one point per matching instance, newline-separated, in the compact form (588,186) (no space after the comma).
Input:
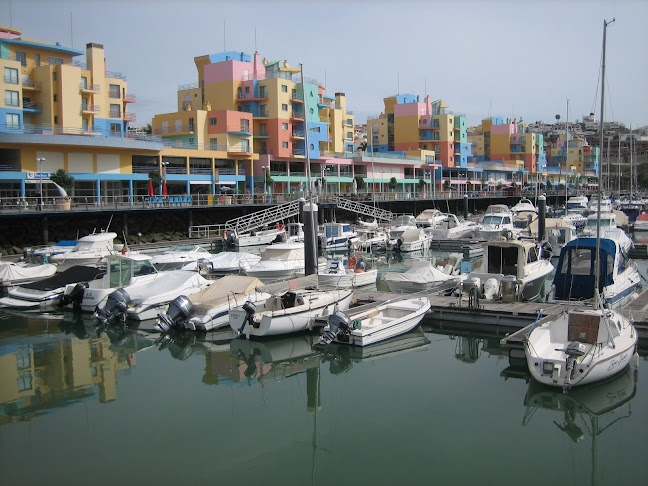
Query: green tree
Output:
(393,183)
(360,183)
(422,185)
(362,146)
(63,179)
(156,177)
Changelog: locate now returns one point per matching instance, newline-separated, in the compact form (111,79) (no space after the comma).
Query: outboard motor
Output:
(361,266)
(115,307)
(280,238)
(75,297)
(180,309)
(231,239)
(398,244)
(340,327)
(250,310)
(546,251)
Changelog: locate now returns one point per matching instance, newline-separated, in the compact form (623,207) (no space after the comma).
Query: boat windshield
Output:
(491,219)
(604,222)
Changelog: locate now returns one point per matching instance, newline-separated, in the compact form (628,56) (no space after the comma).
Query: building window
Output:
(115,111)
(24,382)
(55,97)
(213,144)
(178,125)
(10,75)
(12,120)
(20,56)
(284,145)
(247,89)
(212,122)
(191,124)
(284,88)
(11,98)
(115,129)
(245,125)
(84,82)
(262,91)
(54,76)
(263,111)
(55,120)
(37,60)
(284,126)
(284,107)
(312,147)
(245,145)
(54,61)
(84,124)
(84,104)
(349,135)
(192,140)
(113,91)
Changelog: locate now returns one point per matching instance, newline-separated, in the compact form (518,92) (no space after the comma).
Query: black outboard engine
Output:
(75,297)
(180,309)
(231,239)
(361,266)
(115,307)
(546,251)
(250,310)
(398,243)
(280,238)
(340,327)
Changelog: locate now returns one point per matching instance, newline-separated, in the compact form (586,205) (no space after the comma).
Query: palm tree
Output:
(362,146)
(393,183)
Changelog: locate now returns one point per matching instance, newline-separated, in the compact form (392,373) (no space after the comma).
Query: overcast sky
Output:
(505,58)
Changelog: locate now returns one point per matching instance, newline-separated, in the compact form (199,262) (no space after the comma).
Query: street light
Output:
(265,180)
(40,160)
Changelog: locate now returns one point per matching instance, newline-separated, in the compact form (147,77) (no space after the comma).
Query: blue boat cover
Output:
(574,278)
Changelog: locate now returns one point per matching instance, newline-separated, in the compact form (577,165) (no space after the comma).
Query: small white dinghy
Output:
(579,347)
(294,311)
(382,322)
(335,276)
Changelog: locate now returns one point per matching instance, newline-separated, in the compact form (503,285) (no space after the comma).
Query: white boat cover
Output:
(223,288)
(421,272)
(227,260)
(16,272)
(167,287)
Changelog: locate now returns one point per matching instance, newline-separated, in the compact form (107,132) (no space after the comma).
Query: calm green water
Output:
(80,406)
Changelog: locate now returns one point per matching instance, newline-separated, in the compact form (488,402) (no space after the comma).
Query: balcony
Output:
(183,87)
(29,84)
(296,115)
(262,114)
(297,134)
(173,130)
(90,88)
(250,97)
(32,107)
(90,109)
(129,98)
(239,148)
(115,75)
(114,114)
(130,117)
(298,152)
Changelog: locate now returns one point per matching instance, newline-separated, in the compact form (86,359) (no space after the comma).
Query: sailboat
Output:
(587,344)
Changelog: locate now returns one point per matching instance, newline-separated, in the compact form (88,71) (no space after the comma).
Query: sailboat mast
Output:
(597,265)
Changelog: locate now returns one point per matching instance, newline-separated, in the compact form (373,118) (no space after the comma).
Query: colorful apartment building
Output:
(575,157)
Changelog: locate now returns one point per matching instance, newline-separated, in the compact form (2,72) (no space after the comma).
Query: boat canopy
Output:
(574,279)
(283,252)
(225,288)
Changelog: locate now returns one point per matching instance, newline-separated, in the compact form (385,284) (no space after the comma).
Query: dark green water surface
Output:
(82,406)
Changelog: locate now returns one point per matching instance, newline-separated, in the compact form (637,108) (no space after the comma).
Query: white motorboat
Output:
(281,261)
(209,308)
(337,235)
(47,292)
(413,239)
(45,252)
(422,276)
(122,271)
(593,204)
(559,232)
(575,217)
(294,232)
(20,273)
(376,324)
(178,256)
(580,346)
(143,302)
(577,202)
(451,227)
(497,221)
(336,276)
(429,218)
(610,222)
(511,270)
(524,213)
(89,250)
(293,311)
(641,223)
(400,224)
(256,238)
(370,238)
(619,281)
(224,263)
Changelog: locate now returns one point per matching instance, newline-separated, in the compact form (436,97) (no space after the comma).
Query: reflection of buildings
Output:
(36,375)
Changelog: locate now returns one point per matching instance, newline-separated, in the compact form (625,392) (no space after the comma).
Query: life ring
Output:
(352,262)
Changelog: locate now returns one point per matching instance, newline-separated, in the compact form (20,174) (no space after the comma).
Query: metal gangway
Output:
(263,218)
(365,209)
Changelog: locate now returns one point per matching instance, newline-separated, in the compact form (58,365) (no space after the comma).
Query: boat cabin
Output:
(509,257)
(121,269)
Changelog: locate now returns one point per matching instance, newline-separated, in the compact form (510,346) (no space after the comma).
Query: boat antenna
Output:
(597,267)
(109,221)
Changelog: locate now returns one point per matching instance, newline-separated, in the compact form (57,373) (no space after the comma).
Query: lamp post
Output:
(265,181)
(40,160)
(382,182)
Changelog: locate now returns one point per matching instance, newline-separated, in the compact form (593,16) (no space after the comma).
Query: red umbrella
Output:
(164,188)
(150,188)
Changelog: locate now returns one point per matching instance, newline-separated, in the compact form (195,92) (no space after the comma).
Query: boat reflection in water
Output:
(590,409)
(41,371)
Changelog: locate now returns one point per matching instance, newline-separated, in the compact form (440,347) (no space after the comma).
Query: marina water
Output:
(440,405)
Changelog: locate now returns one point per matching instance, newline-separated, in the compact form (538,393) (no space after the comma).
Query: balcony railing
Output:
(116,75)
(30,105)
(298,152)
(91,87)
(130,98)
(91,108)
(239,148)
(225,171)
(128,116)
(182,87)
(297,114)
(114,114)
(46,129)
(28,83)
(298,134)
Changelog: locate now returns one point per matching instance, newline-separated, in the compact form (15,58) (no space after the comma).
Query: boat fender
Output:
(352,262)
